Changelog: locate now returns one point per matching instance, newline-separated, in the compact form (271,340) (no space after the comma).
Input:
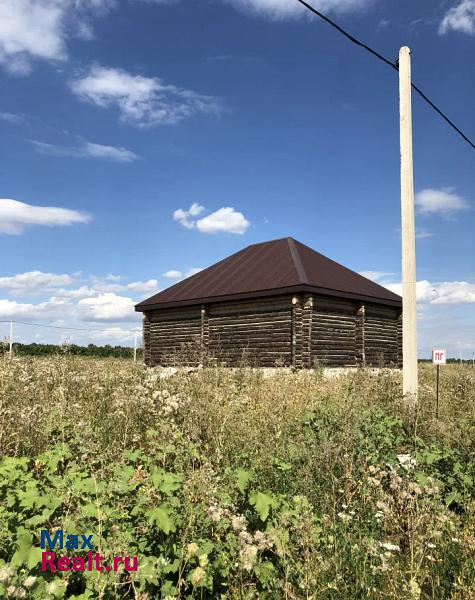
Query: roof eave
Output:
(143,307)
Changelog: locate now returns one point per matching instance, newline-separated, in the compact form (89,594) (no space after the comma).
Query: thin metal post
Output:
(11,339)
(437,395)
(409,314)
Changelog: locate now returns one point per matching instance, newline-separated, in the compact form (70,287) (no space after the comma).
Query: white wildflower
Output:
(390,547)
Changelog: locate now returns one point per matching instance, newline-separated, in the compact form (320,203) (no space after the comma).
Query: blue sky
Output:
(142,140)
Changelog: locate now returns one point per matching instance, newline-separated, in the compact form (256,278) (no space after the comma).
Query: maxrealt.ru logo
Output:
(92,561)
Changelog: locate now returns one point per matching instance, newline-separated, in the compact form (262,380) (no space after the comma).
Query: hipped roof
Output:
(269,269)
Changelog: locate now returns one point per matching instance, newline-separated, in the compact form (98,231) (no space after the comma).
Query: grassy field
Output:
(228,484)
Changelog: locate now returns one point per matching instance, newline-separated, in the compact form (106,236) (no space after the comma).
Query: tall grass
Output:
(351,491)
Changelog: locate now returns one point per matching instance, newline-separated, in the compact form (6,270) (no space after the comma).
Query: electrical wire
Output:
(393,65)
(68,328)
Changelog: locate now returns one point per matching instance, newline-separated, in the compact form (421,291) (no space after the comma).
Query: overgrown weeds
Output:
(236,484)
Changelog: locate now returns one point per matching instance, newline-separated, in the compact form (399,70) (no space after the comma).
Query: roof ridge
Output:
(297,260)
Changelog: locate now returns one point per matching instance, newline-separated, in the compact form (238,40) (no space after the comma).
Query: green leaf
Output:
(160,516)
(165,482)
(242,479)
(26,553)
(453,497)
(262,503)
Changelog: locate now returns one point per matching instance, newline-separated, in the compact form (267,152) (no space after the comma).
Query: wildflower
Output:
(5,574)
(245,536)
(248,557)
(430,545)
(197,576)
(346,518)
(11,590)
(374,481)
(191,549)
(238,523)
(215,513)
(29,581)
(390,547)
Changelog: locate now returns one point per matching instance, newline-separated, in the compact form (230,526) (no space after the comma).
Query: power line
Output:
(69,328)
(393,65)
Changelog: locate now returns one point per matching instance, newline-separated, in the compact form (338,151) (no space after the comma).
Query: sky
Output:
(143,140)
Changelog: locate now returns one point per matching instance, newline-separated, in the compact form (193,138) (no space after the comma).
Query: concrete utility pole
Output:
(409,315)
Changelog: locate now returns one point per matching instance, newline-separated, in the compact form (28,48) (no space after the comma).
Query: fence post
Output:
(135,347)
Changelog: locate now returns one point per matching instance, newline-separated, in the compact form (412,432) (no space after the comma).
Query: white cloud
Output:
(225,219)
(11,117)
(422,234)
(38,29)
(143,101)
(377,276)
(9,309)
(279,9)
(194,271)
(173,274)
(183,216)
(15,216)
(447,292)
(106,307)
(31,28)
(118,154)
(86,150)
(143,286)
(459,18)
(34,282)
(443,201)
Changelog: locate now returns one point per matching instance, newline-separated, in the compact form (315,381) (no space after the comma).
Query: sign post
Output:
(439,357)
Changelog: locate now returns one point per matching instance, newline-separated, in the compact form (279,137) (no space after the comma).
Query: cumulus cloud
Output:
(447,292)
(460,17)
(34,281)
(279,9)
(183,216)
(87,150)
(38,29)
(106,307)
(443,201)
(142,101)
(173,274)
(15,216)
(10,309)
(224,220)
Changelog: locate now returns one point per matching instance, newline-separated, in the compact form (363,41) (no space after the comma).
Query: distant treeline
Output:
(90,350)
(450,361)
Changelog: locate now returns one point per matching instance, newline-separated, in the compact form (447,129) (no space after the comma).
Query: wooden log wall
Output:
(297,331)
(381,335)
(333,332)
(174,336)
(255,332)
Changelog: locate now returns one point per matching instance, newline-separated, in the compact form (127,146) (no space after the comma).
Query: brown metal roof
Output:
(270,268)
